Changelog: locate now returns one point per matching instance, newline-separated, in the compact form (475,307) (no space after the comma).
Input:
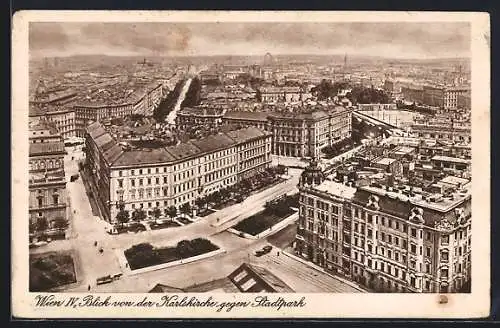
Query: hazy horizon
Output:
(407,41)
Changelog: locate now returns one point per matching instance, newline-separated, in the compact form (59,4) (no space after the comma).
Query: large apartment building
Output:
(298,134)
(124,174)
(47,181)
(388,238)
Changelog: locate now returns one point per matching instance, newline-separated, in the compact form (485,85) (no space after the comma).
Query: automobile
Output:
(104,280)
(74,177)
(263,251)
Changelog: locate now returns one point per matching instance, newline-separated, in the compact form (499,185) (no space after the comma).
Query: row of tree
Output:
(139,214)
(167,104)
(193,95)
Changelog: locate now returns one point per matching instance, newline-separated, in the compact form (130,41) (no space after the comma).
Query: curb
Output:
(176,263)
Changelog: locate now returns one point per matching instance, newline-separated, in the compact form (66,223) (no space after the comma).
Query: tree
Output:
(200,202)
(184,249)
(156,213)
(217,196)
(123,216)
(225,193)
(171,211)
(42,224)
(60,223)
(138,215)
(186,208)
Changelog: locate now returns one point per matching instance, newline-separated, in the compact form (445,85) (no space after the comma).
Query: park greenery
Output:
(49,271)
(144,254)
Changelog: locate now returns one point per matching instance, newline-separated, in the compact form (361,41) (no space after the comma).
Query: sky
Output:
(390,40)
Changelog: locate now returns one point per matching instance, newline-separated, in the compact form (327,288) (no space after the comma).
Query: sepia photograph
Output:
(280,160)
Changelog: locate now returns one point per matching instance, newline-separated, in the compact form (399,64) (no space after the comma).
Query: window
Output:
(444,256)
(413,232)
(389,238)
(396,240)
(140,171)
(120,183)
(132,182)
(396,256)
(383,221)
(427,268)
(405,244)
(149,181)
(157,180)
(397,225)
(119,173)
(444,273)
(140,182)
(413,248)
(404,228)
(427,251)
(445,239)
(370,233)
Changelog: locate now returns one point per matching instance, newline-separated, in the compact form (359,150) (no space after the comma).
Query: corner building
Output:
(160,177)
(384,239)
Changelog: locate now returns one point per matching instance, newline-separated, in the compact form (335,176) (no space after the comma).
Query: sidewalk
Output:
(318,268)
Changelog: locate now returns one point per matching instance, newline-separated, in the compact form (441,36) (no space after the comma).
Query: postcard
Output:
(223,164)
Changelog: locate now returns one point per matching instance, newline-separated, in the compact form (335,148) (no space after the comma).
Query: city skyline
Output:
(387,40)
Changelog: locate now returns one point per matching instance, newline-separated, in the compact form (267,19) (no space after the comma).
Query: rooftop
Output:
(137,152)
(450,159)
(247,278)
(336,189)
(43,148)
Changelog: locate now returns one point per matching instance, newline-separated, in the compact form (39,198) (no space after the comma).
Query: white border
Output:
(476,304)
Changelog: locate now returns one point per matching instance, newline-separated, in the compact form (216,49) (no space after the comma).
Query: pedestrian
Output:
(95,243)
(126,265)
(88,288)
(278,253)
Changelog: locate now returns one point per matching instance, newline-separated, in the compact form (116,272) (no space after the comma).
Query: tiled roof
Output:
(42,148)
(137,157)
(253,279)
(256,116)
(246,134)
(213,142)
(183,150)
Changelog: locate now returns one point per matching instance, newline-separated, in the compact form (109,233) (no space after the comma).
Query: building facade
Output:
(298,134)
(444,131)
(388,240)
(280,94)
(170,176)
(47,181)
(207,117)
(453,98)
